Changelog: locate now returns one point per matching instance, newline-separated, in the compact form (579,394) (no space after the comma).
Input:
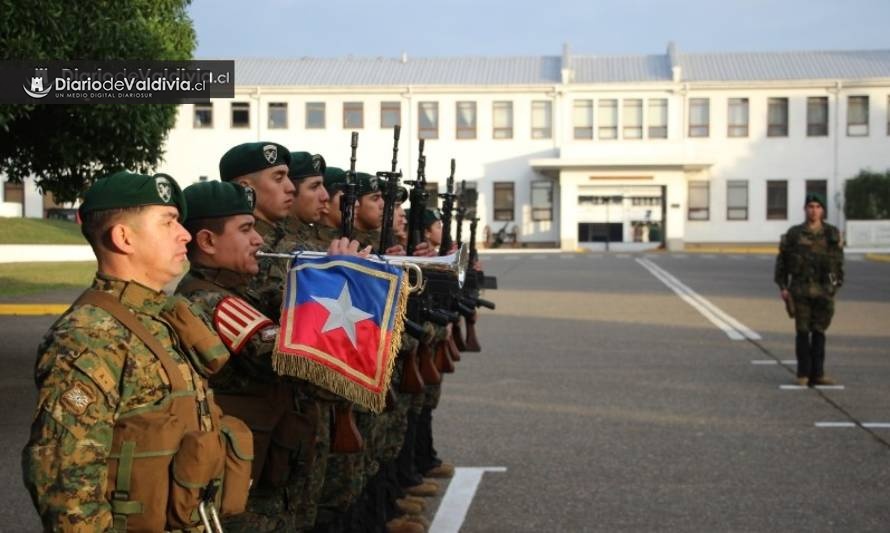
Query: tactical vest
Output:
(164,471)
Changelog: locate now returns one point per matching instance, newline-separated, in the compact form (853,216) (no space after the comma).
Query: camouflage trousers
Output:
(812,313)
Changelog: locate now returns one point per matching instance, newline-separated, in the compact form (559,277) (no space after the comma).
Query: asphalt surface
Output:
(616,406)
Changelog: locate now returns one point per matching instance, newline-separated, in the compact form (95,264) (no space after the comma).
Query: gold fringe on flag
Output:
(327,378)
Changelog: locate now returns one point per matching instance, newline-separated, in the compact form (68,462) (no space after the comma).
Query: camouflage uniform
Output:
(90,371)
(266,288)
(250,374)
(810,265)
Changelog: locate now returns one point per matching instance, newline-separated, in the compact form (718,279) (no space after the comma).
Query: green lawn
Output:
(29,278)
(39,231)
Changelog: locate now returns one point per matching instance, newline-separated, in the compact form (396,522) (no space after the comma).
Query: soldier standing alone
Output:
(809,271)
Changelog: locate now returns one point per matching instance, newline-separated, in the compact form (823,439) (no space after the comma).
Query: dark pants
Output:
(810,350)
(425,456)
(407,473)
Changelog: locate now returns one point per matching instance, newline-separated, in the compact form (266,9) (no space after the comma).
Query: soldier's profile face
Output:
(159,244)
(400,221)
(814,211)
(310,200)
(274,193)
(434,233)
(237,246)
(370,211)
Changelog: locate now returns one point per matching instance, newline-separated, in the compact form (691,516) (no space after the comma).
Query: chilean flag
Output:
(341,325)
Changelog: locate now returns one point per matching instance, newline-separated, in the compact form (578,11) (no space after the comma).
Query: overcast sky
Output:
(229,29)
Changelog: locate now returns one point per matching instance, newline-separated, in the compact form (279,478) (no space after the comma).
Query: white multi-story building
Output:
(577,150)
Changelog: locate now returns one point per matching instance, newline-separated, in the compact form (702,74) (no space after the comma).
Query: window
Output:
(428,120)
(542,119)
(277,115)
(203,116)
(777,117)
(353,115)
(817,116)
(608,119)
(857,116)
(819,187)
(737,119)
(652,201)
(240,115)
(466,120)
(777,200)
(699,117)
(737,200)
(582,119)
(658,118)
(315,115)
(390,114)
(503,200)
(632,119)
(699,200)
(542,200)
(503,122)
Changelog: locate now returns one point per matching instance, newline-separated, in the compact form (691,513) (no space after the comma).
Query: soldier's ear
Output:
(205,241)
(119,238)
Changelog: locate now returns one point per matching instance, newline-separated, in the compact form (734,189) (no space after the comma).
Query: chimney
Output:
(567,72)
(674,60)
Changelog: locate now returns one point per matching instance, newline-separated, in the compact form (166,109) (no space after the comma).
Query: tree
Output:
(66,147)
(867,196)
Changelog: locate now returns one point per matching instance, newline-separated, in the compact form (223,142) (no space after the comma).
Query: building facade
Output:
(576,150)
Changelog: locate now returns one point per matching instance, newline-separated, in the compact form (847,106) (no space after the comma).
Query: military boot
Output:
(425,489)
(401,525)
(444,470)
(408,507)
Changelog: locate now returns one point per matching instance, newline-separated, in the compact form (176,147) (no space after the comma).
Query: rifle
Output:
(418,197)
(389,194)
(347,203)
(346,437)
(461,212)
(447,207)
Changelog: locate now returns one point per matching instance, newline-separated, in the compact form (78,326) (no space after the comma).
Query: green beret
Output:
(127,189)
(430,216)
(215,199)
(814,197)
(251,157)
(366,183)
(334,179)
(305,165)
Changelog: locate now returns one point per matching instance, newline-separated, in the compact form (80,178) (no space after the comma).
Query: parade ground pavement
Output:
(627,392)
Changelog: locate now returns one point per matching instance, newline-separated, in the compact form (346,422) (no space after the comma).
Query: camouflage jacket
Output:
(265,289)
(810,262)
(368,238)
(301,236)
(91,370)
(251,364)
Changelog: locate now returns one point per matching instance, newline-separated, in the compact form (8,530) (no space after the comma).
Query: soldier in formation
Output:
(129,375)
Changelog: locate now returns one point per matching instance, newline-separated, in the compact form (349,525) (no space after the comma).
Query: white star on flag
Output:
(342,314)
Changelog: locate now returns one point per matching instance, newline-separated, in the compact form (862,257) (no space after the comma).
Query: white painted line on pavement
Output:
(869,425)
(453,510)
(726,317)
(773,362)
(820,387)
(734,329)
